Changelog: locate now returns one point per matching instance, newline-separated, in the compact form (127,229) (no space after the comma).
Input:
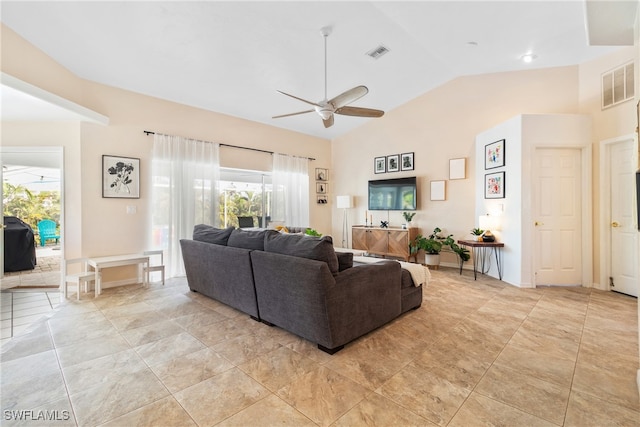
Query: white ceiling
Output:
(231,57)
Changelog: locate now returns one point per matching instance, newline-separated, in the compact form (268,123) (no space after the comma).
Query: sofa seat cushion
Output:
(300,245)
(209,234)
(249,239)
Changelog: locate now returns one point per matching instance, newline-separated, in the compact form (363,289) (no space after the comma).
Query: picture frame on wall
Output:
(406,161)
(321,187)
(457,168)
(494,155)
(322,200)
(494,185)
(393,163)
(380,164)
(438,190)
(322,174)
(120,177)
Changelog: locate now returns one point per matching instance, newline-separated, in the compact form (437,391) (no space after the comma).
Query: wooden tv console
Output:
(392,242)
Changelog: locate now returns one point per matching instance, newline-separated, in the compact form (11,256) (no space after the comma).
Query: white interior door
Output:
(557,212)
(623,235)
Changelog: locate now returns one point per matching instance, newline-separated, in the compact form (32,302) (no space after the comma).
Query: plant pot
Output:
(432,260)
(479,238)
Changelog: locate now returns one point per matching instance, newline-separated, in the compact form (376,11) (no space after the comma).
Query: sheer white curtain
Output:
(185,175)
(290,181)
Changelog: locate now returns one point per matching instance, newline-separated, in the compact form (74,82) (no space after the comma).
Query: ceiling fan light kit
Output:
(338,105)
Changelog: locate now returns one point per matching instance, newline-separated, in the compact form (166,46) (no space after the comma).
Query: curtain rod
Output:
(148,132)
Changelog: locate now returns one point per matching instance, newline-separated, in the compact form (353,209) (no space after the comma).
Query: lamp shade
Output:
(484,222)
(344,202)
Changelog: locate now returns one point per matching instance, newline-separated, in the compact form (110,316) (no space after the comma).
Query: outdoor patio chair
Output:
(47,231)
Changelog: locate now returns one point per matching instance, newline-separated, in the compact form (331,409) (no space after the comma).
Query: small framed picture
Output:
(494,185)
(322,174)
(120,177)
(437,190)
(494,155)
(322,200)
(457,168)
(380,164)
(321,187)
(393,163)
(406,161)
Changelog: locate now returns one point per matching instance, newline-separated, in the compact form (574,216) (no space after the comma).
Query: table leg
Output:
(474,255)
(498,263)
(98,282)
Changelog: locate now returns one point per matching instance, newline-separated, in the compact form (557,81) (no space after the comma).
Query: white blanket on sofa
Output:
(419,273)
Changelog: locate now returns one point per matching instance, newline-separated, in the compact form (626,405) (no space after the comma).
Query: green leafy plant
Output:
(477,231)
(312,232)
(408,216)
(435,242)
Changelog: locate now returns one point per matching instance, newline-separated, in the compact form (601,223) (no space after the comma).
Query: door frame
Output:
(586,176)
(605,205)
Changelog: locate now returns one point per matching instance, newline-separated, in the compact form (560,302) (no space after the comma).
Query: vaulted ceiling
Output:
(232,57)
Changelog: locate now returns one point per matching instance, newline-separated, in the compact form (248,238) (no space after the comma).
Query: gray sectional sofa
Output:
(297,282)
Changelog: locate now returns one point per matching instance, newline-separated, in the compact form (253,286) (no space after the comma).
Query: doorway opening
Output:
(32,194)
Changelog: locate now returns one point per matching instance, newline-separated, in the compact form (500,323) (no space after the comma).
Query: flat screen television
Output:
(393,194)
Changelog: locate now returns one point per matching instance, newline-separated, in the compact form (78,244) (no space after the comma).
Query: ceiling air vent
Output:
(377,52)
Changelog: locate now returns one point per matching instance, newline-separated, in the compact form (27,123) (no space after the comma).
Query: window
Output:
(244,193)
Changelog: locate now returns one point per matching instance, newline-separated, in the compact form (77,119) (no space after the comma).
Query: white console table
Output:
(98,263)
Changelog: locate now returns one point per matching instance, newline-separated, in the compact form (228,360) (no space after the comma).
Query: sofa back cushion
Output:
(209,234)
(300,245)
(249,239)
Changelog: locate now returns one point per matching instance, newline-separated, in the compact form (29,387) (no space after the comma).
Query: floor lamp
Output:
(344,202)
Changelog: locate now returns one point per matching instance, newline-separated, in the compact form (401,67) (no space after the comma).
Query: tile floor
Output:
(19,308)
(476,353)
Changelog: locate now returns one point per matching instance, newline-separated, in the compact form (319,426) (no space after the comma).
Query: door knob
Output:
(615,224)
(538,223)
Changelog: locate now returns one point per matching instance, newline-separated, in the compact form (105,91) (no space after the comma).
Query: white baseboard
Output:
(638,380)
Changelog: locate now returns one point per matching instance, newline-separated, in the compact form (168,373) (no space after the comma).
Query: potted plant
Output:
(478,233)
(432,246)
(408,216)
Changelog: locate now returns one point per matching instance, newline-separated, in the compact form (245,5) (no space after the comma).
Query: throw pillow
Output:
(345,260)
(249,239)
(300,245)
(209,234)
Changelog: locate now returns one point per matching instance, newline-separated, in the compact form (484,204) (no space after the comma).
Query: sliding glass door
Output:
(245,198)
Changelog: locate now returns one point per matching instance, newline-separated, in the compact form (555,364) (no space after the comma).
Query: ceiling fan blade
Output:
(328,122)
(299,99)
(349,96)
(292,114)
(359,111)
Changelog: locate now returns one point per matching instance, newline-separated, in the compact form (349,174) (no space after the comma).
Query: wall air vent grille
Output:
(618,85)
(378,52)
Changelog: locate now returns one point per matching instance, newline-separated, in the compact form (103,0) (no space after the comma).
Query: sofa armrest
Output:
(364,298)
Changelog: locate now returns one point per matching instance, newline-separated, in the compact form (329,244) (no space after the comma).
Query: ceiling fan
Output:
(338,105)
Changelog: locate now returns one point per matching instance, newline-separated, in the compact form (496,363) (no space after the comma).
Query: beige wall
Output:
(103,226)
(437,126)
(441,125)
(610,123)
(67,136)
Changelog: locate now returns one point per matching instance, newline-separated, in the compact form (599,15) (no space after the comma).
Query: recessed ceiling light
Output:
(528,57)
